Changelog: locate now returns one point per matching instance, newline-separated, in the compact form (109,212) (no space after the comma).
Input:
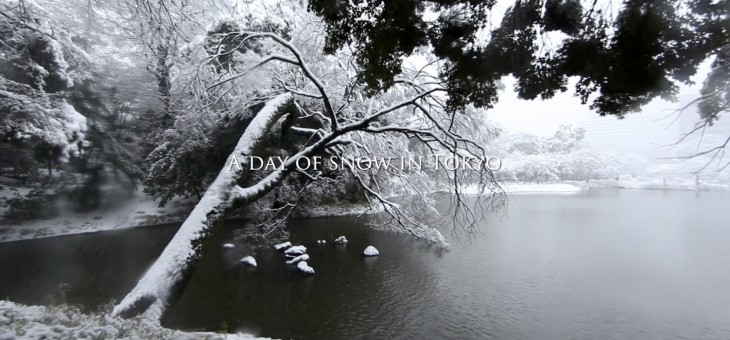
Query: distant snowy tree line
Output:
(562,156)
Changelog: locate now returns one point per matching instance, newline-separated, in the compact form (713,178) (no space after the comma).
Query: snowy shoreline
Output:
(143,211)
(525,188)
(140,212)
(569,187)
(40,322)
(550,188)
(652,184)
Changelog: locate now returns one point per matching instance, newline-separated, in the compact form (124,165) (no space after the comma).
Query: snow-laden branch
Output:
(300,62)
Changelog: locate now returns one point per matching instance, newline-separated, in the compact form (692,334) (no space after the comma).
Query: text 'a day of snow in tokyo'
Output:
(437,162)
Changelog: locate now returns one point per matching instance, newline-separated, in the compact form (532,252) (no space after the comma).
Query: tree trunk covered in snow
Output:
(153,291)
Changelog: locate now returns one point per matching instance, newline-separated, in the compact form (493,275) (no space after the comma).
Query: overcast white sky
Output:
(643,131)
(544,116)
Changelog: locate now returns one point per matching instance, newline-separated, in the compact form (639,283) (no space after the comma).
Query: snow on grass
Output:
(371,251)
(281,246)
(303,257)
(296,250)
(305,268)
(249,260)
(19,321)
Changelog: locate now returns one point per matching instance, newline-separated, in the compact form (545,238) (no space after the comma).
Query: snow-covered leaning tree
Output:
(278,75)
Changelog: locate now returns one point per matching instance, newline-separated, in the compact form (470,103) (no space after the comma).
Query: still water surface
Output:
(602,264)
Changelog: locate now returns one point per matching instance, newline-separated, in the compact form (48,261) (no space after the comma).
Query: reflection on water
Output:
(603,264)
(372,296)
(98,266)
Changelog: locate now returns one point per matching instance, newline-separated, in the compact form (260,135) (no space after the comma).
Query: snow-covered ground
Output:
(18,321)
(657,184)
(139,210)
(525,188)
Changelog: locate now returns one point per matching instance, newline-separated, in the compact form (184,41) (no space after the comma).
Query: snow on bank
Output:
(139,210)
(308,211)
(19,321)
(524,188)
(540,188)
(657,184)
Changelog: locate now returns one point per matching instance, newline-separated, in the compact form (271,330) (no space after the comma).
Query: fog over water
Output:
(651,139)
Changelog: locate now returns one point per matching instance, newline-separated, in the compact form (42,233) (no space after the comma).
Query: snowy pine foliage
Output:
(40,63)
(35,117)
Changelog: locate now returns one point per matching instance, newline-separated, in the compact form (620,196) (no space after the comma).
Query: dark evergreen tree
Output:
(645,52)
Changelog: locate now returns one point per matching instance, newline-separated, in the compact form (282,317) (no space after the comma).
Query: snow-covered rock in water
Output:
(281,246)
(371,251)
(249,260)
(303,257)
(321,242)
(305,268)
(341,240)
(229,245)
(296,250)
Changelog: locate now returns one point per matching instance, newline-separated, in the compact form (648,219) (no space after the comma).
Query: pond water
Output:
(601,264)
